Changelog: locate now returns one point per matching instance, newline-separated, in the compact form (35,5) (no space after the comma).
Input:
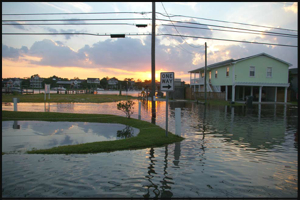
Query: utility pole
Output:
(205,90)
(152,93)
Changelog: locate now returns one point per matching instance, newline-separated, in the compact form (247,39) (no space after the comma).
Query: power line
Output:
(71,24)
(142,13)
(228,22)
(85,13)
(48,20)
(175,27)
(242,41)
(141,34)
(195,23)
(279,35)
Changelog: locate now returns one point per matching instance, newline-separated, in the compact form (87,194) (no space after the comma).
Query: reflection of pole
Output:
(167,100)
(204,116)
(205,90)
(149,176)
(166,194)
(176,153)
(153,61)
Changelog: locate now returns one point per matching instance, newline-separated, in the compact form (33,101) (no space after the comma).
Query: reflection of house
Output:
(36,81)
(294,83)
(113,83)
(93,80)
(262,76)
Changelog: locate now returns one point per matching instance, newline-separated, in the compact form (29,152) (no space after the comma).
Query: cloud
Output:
(293,8)
(67,37)
(54,54)
(19,26)
(13,53)
(82,6)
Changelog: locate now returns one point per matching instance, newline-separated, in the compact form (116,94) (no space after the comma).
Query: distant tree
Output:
(126,107)
(103,82)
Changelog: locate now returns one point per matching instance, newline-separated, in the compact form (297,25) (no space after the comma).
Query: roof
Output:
(232,61)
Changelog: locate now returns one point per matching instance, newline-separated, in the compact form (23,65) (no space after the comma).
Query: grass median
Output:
(84,98)
(150,134)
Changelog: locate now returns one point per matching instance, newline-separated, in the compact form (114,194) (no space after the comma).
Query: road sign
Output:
(167,81)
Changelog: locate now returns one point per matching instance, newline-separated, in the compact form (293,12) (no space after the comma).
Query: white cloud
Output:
(82,6)
(293,8)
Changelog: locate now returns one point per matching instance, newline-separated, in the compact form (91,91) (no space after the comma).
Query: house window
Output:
(252,71)
(210,75)
(216,74)
(227,71)
(269,72)
(202,74)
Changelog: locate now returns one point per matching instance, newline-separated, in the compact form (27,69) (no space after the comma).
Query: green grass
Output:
(150,134)
(85,98)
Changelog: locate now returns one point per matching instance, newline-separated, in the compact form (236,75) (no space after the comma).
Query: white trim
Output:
(263,84)
(271,72)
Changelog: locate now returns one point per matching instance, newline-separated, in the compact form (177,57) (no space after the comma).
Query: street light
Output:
(141,25)
(117,35)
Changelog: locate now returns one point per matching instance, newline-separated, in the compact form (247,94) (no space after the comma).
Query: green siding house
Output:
(260,76)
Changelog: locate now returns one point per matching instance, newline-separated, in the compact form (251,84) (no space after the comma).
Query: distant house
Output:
(36,81)
(113,83)
(73,83)
(93,80)
(262,76)
(12,82)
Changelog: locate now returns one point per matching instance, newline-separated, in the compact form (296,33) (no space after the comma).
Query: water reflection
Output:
(15,125)
(163,191)
(127,132)
(43,134)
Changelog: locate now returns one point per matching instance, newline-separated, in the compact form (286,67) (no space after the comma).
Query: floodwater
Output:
(21,136)
(228,152)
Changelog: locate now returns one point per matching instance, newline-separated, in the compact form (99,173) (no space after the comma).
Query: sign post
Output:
(167,85)
(47,90)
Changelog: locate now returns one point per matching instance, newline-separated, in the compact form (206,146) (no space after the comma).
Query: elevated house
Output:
(262,76)
(113,83)
(36,81)
(12,82)
(93,81)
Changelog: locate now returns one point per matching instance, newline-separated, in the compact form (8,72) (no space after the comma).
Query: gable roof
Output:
(232,61)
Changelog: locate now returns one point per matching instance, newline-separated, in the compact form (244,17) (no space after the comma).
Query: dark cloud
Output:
(54,54)
(67,37)
(17,26)
(13,53)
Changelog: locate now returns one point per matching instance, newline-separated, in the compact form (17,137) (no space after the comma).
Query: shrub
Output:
(126,107)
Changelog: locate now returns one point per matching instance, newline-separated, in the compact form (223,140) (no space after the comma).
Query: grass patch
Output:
(150,134)
(84,98)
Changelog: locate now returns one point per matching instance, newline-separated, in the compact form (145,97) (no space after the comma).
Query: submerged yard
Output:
(85,98)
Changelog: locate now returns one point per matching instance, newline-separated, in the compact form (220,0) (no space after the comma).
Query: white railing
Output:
(217,88)
(197,81)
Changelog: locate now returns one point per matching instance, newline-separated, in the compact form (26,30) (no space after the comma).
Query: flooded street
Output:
(228,152)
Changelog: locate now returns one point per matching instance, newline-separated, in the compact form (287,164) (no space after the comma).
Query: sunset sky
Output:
(87,56)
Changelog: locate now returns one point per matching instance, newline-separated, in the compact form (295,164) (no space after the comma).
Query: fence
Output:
(201,95)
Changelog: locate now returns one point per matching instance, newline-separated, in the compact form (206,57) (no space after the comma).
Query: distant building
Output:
(113,83)
(73,83)
(11,82)
(36,81)
(93,80)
